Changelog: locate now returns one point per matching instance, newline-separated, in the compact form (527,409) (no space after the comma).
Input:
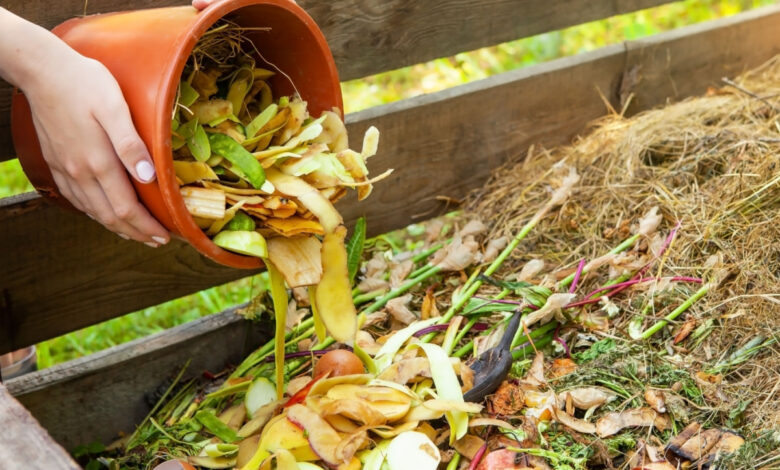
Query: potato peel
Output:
(334,292)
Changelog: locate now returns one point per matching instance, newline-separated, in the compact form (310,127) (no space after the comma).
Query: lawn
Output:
(371,91)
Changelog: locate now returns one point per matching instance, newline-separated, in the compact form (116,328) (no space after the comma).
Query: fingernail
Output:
(145,171)
(151,245)
(160,240)
(123,236)
(89,216)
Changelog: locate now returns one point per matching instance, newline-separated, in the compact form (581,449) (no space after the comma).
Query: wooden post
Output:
(24,444)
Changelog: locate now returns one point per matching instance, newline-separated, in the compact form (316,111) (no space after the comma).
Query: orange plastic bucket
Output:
(146,50)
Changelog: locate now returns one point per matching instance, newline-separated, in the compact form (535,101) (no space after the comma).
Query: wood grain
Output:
(95,397)
(24,443)
(62,272)
(372,36)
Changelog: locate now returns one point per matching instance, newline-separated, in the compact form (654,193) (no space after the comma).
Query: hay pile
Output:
(710,163)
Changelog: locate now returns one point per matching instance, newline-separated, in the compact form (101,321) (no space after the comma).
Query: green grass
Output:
(371,91)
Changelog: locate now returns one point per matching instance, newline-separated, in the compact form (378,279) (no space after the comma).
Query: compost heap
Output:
(611,304)
(260,176)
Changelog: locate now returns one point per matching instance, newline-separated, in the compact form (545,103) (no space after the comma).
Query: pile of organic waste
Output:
(610,304)
(260,176)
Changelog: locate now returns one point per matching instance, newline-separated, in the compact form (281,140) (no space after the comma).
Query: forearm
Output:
(25,48)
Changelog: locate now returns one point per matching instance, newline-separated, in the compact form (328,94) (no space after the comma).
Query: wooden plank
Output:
(440,144)
(24,443)
(372,36)
(95,397)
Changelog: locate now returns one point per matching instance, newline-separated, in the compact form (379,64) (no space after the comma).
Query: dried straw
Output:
(711,163)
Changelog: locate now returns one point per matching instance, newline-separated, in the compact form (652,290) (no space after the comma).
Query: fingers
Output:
(122,199)
(126,210)
(106,214)
(127,144)
(201,4)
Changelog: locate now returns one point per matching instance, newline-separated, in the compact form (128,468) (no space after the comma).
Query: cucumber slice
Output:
(244,242)
(241,222)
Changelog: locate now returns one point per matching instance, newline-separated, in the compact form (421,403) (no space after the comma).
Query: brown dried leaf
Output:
(728,444)
(655,398)
(376,318)
(535,375)
(586,398)
(579,425)
(614,422)
(428,309)
(398,309)
(433,230)
(301,295)
(699,444)
(472,228)
(648,224)
(685,330)
(376,266)
(458,255)
(399,272)
(493,248)
(550,308)
(468,445)
(467,377)
(294,315)
(371,284)
(530,270)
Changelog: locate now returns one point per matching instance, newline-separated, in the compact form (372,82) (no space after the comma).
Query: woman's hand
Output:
(201,4)
(84,127)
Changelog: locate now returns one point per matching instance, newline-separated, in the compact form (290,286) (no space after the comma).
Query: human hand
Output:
(201,4)
(84,127)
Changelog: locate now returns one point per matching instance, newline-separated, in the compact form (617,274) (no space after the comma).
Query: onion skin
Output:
(339,362)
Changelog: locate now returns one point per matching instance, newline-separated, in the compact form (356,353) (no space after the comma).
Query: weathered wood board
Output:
(94,397)
(24,443)
(372,36)
(62,272)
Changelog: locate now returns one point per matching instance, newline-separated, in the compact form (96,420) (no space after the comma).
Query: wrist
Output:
(26,50)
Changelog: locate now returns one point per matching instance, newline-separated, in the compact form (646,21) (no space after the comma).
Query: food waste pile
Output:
(609,304)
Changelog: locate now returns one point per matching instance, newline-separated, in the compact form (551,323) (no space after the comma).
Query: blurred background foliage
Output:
(371,91)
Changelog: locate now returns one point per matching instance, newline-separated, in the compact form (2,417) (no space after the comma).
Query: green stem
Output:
(626,244)
(466,348)
(676,312)
(473,320)
(380,302)
(453,464)
(541,331)
(291,366)
(363,298)
(525,351)
(471,286)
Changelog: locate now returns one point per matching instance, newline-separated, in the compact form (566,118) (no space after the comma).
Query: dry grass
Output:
(711,163)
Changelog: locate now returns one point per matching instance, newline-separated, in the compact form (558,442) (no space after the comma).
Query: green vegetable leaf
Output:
(355,247)
(596,349)
(261,120)
(210,421)
(241,221)
(233,151)
(187,94)
(187,130)
(199,144)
